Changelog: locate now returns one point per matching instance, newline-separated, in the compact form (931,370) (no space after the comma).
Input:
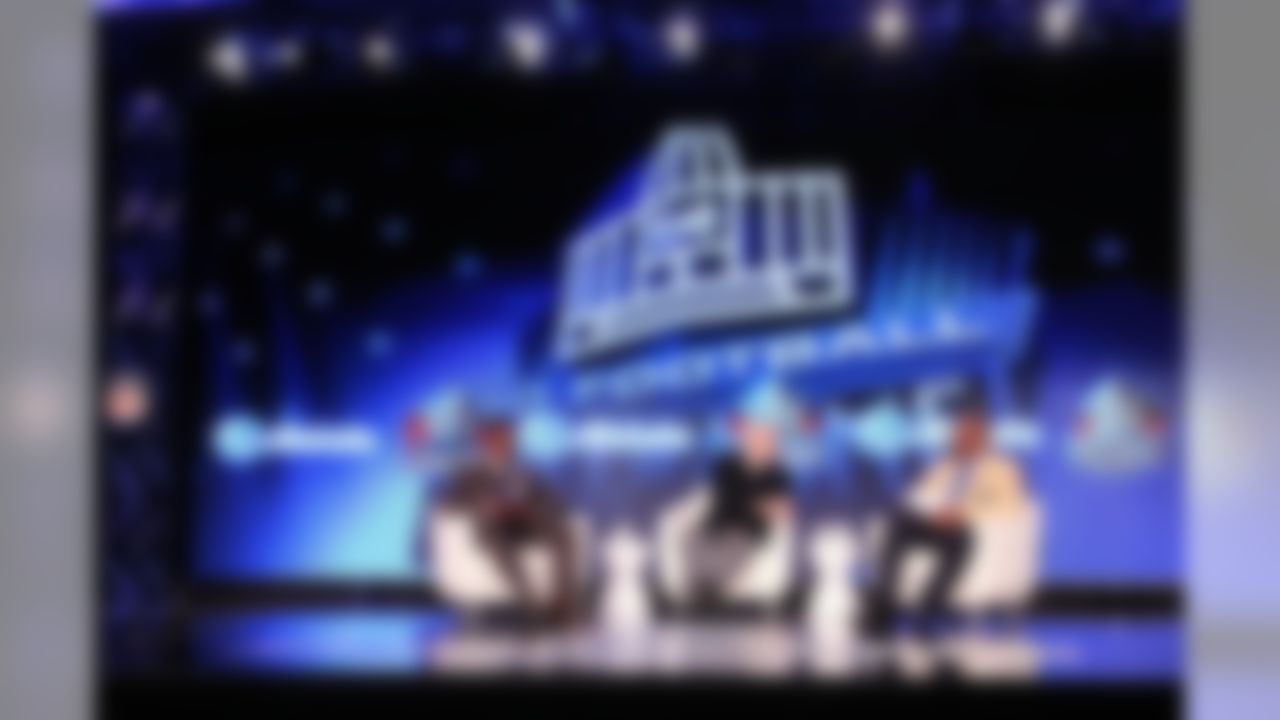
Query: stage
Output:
(436,644)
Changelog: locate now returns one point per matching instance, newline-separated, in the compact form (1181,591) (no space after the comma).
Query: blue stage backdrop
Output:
(310,469)
(322,239)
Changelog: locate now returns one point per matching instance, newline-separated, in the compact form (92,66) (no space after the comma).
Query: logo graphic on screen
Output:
(1117,431)
(691,238)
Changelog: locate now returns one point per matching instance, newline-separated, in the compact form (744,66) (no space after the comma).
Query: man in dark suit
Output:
(512,509)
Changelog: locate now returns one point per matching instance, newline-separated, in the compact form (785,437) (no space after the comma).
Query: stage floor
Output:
(402,643)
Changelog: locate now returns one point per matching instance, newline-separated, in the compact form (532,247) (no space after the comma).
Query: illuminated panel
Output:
(705,242)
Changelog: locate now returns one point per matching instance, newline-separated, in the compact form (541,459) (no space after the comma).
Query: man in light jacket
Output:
(970,483)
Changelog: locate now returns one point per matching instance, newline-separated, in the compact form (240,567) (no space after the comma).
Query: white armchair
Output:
(763,580)
(1001,572)
(467,576)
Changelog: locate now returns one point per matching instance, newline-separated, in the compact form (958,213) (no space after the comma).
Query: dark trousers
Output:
(950,547)
(508,532)
(716,554)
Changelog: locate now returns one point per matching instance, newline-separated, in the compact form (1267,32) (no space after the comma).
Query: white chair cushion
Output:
(764,578)
(467,575)
(1001,570)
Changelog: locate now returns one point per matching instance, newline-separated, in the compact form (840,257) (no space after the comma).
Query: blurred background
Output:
(322,227)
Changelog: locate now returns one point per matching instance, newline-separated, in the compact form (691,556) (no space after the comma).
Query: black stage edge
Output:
(249,596)
(1057,600)
(380,699)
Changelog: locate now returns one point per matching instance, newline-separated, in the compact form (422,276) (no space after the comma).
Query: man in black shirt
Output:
(750,492)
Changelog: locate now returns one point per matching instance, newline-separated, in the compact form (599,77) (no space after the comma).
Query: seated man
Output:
(750,490)
(512,509)
(969,483)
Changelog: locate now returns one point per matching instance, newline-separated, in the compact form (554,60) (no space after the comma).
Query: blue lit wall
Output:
(1125,529)
(355,518)
(380,353)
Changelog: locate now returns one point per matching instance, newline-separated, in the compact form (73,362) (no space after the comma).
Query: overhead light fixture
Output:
(890,26)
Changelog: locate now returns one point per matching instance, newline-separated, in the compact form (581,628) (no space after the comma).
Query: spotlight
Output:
(127,400)
(567,11)
(1059,22)
(890,26)
(288,54)
(228,60)
(527,44)
(320,293)
(380,52)
(682,36)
